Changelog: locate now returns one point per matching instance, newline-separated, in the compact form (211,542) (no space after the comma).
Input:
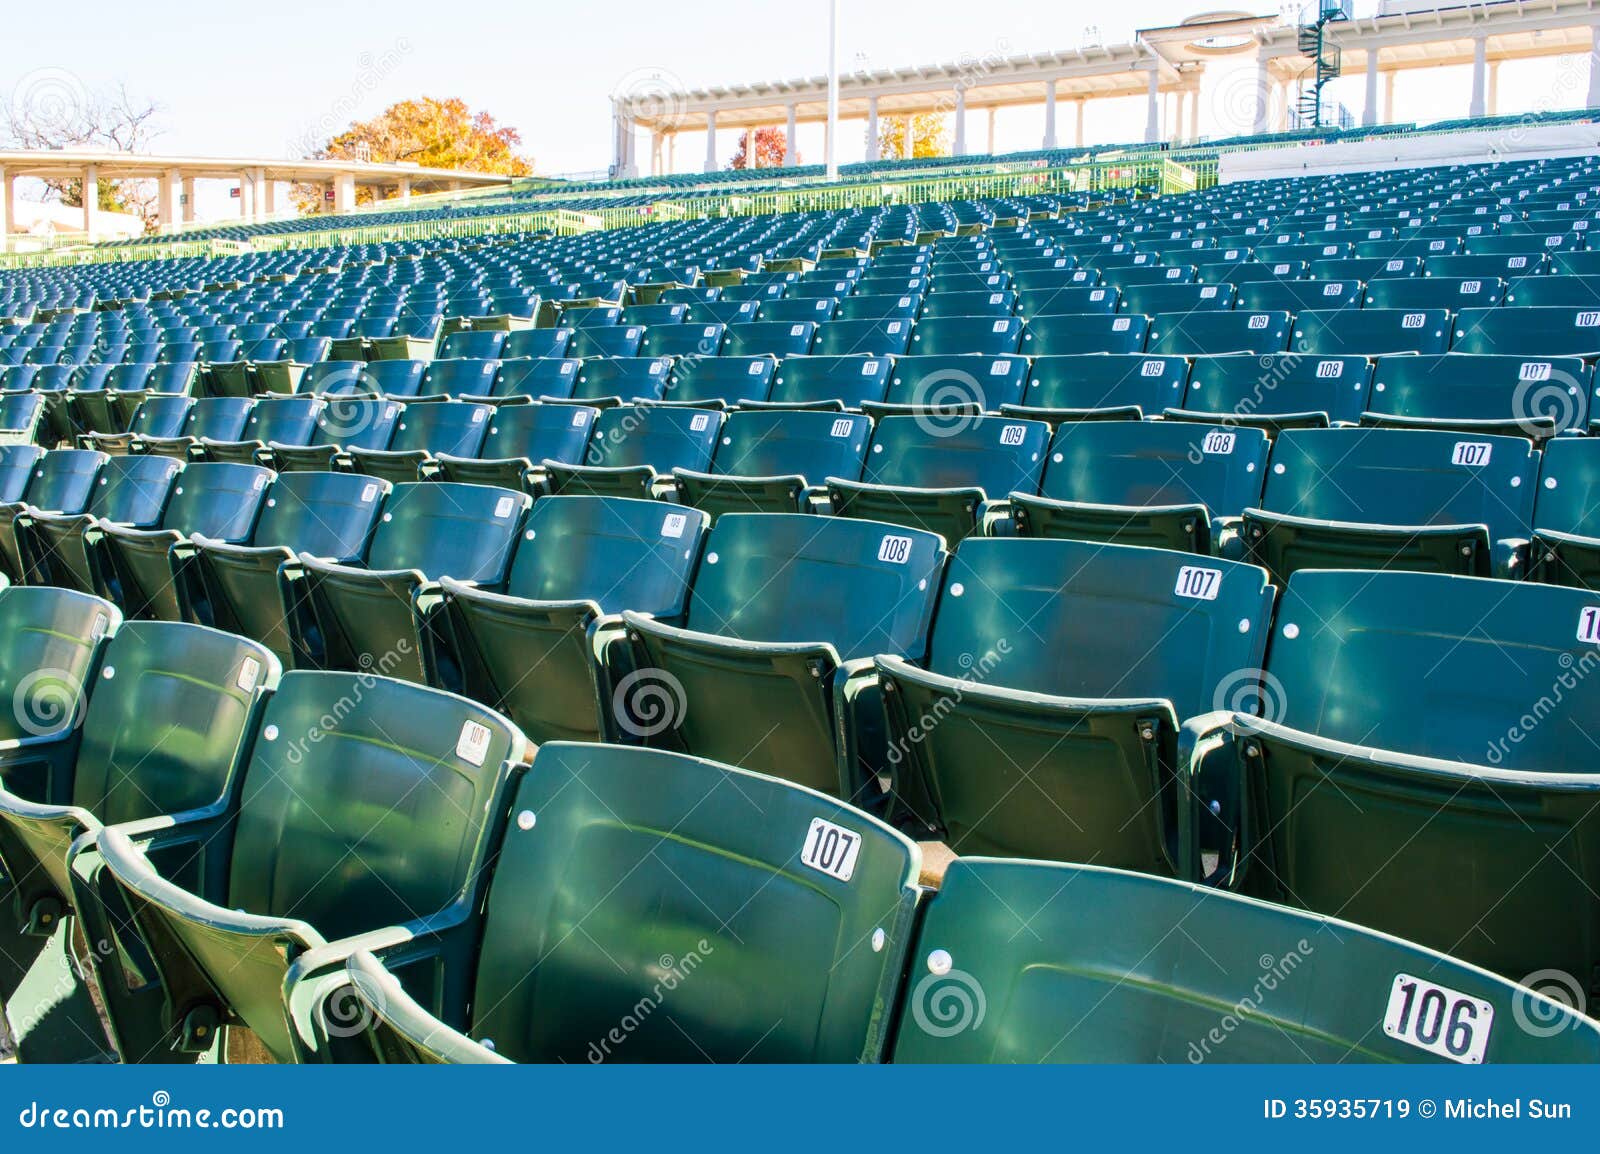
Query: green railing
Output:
(121,253)
(563,222)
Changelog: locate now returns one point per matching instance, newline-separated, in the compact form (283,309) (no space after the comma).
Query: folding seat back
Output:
(1149,300)
(1101,386)
(691,340)
(273,420)
(769,338)
(878,338)
(622,379)
(18,463)
(948,336)
(1042,648)
(1277,391)
(1058,939)
(767,460)
(1452,293)
(335,378)
(543,377)
(630,447)
(1566,516)
(140,568)
(518,440)
(461,377)
(375,616)
(484,344)
(996,304)
(1483,393)
(1202,333)
(830,382)
(396,377)
(246,588)
(531,651)
(1421,499)
(1160,483)
(1084,333)
(1582,292)
(607,341)
(208,419)
(720,382)
(936,473)
(1371,332)
(61,546)
(954,383)
(536,343)
(1295,296)
(801,308)
(1529,332)
(307,863)
(769,640)
(779,996)
(1342,762)
(456,428)
(656,314)
(343,423)
(722,312)
(1068,300)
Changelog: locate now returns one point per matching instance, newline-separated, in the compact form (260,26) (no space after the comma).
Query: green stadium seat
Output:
(1580,292)
(1371,332)
(1295,296)
(1060,941)
(878,338)
(311,859)
(1528,332)
(830,382)
(380,615)
(1151,299)
(139,569)
(168,718)
(775,461)
(1356,807)
(769,338)
(938,471)
(1068,300)
(342,423)
(1420,499)
(477,344)
(771,665)
(607,341)
(63,548)
(720,382)
(273,420)
(254,589)
(952,383)
(950,336)
(552,377)
(1101,386)
(880,307)
(208,419)
(1452,293)
(1203,333)
(694,340)
(461,377)
(1566,516)
(1064,732)
(756,928)
(631,450)
(995,304)
(540,651)
(63,481)
(1166,484)
(536,343)
(1083,333)
(1277,391)
(1482,393)
(456,428)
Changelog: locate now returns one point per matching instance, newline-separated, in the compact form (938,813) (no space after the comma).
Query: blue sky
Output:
(270,78)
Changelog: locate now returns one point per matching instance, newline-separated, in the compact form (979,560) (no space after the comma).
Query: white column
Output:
(404,190)
(167,186)
(831,142)
(188,199)
(872,128)
(1177,114)
(1388,98)
(344,192)
(672,152)
(1050,114)
(258,192)
(1077,136)
(1152,116)
(1494,88)
(1369,113)
(961,122)
(630,145)
(1263,95)
(1283,105)
(1593,100)
(790,149)
(619,157)
(1480,57)
(244,196)
(5,208)
(655,152)
(711,141)
(271,195)
(91,201)
(991,132)
(908,143)
(1194,114)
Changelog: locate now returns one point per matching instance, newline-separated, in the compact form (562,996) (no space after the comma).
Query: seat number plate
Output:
(473,744)
(895,550)
(1218,442)
(1471,453)
(831,849)
(1589,625)
(1438,1019)
(1197,583)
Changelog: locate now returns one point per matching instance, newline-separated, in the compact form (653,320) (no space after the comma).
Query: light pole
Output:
(833,89)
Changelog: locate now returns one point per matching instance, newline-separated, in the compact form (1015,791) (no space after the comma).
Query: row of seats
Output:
(526,905)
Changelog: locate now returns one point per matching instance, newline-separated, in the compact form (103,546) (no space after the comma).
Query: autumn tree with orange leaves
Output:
(427,132)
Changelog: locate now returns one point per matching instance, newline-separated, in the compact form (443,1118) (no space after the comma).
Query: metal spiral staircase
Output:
(1313,43)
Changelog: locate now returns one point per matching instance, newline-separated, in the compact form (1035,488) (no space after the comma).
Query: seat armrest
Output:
(1199,738)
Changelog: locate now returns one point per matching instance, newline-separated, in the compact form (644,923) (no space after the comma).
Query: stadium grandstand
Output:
(1117,602)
